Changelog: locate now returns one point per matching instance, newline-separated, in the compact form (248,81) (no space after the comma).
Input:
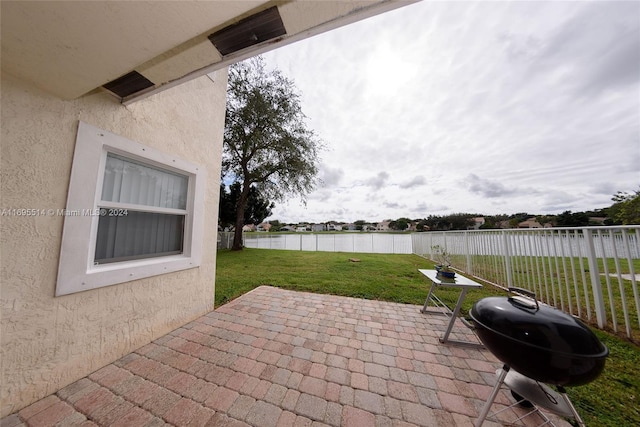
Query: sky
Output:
(476,107)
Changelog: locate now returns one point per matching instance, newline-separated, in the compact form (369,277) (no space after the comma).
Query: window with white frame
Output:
(132,212)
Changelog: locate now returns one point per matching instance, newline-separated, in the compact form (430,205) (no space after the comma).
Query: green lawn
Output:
(611,400)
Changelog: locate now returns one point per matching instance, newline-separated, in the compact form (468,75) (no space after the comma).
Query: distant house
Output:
(288,228)
(302,228)
(318,227)
(383,225)
(530,223)
(265,226)
(334,227)
(249,227)
(477,223)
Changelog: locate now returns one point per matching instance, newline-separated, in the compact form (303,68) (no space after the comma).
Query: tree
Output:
(226,207)
(457,221)
(569,219)
(266,142)
(422,225)
(626,208)
(400,224)
(517,218)
(275,225)
(257,209)
(494,221)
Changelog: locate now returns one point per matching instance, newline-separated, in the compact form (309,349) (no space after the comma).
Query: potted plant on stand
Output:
(444,262)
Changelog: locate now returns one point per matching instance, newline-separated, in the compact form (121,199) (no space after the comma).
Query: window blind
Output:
(139,234)
(128,181)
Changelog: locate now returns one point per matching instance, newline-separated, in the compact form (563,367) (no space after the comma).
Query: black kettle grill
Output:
(538,341)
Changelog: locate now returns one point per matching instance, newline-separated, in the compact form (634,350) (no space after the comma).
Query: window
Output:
(127,229)
(132,212)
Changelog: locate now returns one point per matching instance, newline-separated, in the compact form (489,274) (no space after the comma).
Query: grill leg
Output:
(576,416)
(492,397)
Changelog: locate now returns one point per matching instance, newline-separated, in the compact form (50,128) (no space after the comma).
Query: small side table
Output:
(461,282)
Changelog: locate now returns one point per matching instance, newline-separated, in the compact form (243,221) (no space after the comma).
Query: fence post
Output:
(444,241)
(507,258)
(596,284)
(634,285)
(467,251)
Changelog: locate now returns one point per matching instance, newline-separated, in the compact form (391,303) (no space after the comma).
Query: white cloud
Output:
(378,181)
(488,188)
(492,107)
(330,177)
(416,181)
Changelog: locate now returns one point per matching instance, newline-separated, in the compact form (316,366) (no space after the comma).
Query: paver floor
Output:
(276,358)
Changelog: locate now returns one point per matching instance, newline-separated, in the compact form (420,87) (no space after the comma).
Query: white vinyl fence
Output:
(374,243)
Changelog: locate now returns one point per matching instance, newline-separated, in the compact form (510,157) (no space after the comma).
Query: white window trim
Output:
(76,271)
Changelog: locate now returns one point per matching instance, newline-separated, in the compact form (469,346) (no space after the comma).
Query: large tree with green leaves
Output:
(266,142)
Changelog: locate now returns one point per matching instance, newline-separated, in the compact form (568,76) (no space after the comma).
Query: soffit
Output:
(71,48)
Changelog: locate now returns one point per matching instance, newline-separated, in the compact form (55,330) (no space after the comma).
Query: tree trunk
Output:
(242,203)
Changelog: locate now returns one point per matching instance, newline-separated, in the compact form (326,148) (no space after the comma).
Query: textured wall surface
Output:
(48,342)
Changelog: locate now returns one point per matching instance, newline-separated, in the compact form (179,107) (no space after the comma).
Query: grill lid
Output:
(526,321)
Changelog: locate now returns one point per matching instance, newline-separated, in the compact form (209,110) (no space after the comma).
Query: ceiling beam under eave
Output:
(301,9)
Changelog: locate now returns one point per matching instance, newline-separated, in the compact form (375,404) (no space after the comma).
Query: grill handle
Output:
(529,302)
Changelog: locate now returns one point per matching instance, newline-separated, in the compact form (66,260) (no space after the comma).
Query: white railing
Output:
(590,272)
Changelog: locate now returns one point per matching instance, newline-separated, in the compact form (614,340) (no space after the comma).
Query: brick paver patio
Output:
(275,358)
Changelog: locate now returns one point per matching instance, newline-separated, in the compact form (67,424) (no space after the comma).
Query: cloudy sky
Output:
(445,107)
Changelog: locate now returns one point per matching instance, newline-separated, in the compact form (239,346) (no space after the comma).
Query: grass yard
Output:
(381,277)
(611,400)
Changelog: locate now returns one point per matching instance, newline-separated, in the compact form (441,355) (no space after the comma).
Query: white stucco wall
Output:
(48,342)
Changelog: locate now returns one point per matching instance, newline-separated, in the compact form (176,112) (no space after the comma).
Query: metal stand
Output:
(461,282)
(537,394)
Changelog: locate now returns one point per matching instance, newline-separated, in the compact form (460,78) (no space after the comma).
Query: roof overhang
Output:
(138,48)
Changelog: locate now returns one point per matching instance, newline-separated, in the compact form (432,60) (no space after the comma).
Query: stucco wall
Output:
(48,342)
